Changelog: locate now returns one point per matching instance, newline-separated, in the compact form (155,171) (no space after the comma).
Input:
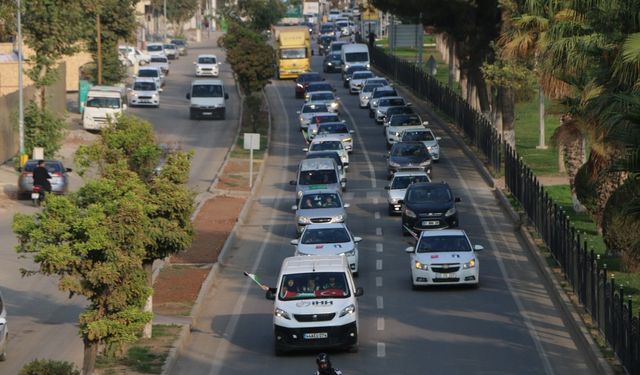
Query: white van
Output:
(355,54)
(315,304)
(103,102)
(207,98)
(317,174)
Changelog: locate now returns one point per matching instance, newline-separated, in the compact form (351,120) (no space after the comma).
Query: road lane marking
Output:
(375,200)
(217,363)
(378,231)
(380,324)
(379,264)
(363,146)
(381,349)
(379,247)
(378,281)
(376,215)
(380,302)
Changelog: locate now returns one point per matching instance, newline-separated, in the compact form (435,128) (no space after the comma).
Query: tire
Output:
(192,116)
(353,348)
(405,233)
(355,274)
(279,350)
(223,116)
(370,114)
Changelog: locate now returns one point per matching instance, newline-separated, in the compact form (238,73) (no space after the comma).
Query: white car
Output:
(144,92)
(367,89)
(207,65)
(308,111)
(398,187)
(329,142)
(357,80)
(320,118)
(444,257)
(171,50)
(387,102)
(399,123)
(134,55)
(161,62)
(4,330)
(152,72)
(154,49)
(425,136)
(329,239)
(326,97)
(339,129)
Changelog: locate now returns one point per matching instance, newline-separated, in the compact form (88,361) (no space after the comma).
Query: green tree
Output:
(7,20)
(258,15)
(94,241)
(178,12)
(48,367)
(52,29)
(44,129)
(253,63)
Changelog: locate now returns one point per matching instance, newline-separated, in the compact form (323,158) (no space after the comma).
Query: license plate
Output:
(446,275)
(207,113)
(316,335)
(35,195)
(430,223)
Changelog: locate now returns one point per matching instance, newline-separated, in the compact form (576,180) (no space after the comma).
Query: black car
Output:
(403,110)
(408,156)
(303,80)
(328,29)
(323,43)
(319,86)
(332,63)
(346,75)
(429,205)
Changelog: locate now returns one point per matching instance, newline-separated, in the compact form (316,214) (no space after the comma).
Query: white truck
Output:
(103,103)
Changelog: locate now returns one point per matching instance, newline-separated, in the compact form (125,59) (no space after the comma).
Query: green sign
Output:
(317,187)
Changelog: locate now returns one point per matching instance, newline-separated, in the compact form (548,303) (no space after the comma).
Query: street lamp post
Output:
(20,85)
(165,21)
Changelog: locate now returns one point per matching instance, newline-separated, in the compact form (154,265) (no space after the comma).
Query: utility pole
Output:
(20,86)
(165,21)
(99,45)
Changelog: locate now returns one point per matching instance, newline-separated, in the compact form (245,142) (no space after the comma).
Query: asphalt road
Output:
(42,320)
(507,326)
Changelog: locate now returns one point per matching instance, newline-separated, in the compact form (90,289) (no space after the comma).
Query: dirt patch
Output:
(177,288)
(240,165)
(212,227)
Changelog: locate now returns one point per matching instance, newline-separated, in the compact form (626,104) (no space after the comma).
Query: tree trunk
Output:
(541,136)
(507,111)
(452,67)
(148,307)
(481,92)
(90,354)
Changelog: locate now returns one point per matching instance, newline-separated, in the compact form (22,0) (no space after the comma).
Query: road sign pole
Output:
(250,168)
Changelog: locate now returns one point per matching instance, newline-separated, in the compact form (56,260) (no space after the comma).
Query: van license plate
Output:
(430,223)
(35,195)
(316,335)
(207,113)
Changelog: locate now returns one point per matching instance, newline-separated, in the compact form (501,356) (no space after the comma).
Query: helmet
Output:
(323,360)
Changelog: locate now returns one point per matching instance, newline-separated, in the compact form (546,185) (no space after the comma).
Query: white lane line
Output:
(382,350)
(378,231)
(376,215)
(378,281)
(379,264)
(363,147)
(379,302)
(375,200)
(220,356)
(380,324)
(548,369)
(379,248)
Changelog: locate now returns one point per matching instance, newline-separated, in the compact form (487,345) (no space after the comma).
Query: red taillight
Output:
(27,174)
(57,174)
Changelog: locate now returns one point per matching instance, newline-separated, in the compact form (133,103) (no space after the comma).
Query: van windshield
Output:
(206,60)
(103,103)
(207,91)
(148,73)
(356,56)
(323,176)
(154,48)
(144,86)
(293,53)
(313,285)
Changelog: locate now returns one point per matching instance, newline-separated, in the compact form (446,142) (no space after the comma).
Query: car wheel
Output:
(192,116)
(280,351)
(3,356)
(370,114)
(355,274)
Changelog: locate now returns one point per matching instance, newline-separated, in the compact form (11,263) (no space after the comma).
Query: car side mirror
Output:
(347,205)
(69,170)
(292,182)
(294,242)
(357,239)
(478,248)
(438,138)
(457,199)
(352,131)
(409,249)
(294,207)
(343,180)
(306,149)
(160,90)
(425,123)
(270,294)
(188,96)
(359,292)
(226,96)
(387,187)
(298,112)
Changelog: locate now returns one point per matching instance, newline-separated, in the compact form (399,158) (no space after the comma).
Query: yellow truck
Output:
(293,45)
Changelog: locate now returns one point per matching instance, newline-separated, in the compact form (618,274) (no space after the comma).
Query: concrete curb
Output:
(185,333)
(569,311)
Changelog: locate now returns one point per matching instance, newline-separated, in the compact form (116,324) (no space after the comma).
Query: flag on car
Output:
(254,277)
(412,233)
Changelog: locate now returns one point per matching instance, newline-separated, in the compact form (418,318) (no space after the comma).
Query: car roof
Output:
(332,137)
(317,164)
(149,68)
(206,82)
(390,97)
(322,191)
(145,79)
(317,263)
(207,55)
(426,184)
(442,232)
(322,92)
(325,226)
(409,173)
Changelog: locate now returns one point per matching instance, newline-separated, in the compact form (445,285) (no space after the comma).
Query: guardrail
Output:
(599,294)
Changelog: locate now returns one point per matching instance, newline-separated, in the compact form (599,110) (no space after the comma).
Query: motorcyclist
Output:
(324,366)
(41,176)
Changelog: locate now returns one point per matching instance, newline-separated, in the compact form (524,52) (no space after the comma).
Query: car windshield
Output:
(362,75)
(326,145)
(321,200)
(319,177)
(312,108)
(403,120)
(342,24)
(335,57)
(293,53)
(169,46)
(319,87)
(313,285)
(94,102)
(390,102)
(178,42)
(337,46)
(440,244)
(333,129)
(322,96)
(353,69)
(402,182)
(428,194)
(207,91)
(324,236)
(52,166)
(408,149)
(154,48)
(206,60)
(326,28)
(326,118)
(356,56)
(418,136)
(381,93)
(144,86)
(322,155)
(158,59)
(148,73)
(309,78)
(369,87)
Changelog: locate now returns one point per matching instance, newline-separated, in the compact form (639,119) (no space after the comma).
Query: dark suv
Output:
(429,205)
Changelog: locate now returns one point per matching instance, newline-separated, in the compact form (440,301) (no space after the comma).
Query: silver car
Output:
(59,177)
(398,187)
(161,62)
(357,80)
(171,50)
(387,102)
(338,129)
(400,123)
(329,239)
(425,136)
(317,174)
(144,92)
(326,97)
(309,110)
(376,94)
(320,207)
(4,330)
(367,89)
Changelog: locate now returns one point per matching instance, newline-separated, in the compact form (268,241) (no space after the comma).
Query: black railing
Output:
(598,293)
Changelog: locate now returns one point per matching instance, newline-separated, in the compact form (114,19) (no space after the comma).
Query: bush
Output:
(49,367)
(42,128)
(621,231)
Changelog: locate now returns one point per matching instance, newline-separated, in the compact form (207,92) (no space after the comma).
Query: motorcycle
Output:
(37,195)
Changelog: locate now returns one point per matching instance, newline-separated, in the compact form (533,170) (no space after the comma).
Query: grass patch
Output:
(261,126)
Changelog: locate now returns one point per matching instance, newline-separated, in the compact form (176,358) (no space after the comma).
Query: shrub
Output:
(42,128)
(49,367)
(621,231)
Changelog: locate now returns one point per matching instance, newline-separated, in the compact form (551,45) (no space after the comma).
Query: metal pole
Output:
(165,21)
(99,46)
(250,168)
(20,85)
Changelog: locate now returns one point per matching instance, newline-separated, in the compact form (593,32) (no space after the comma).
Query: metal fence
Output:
(587,275)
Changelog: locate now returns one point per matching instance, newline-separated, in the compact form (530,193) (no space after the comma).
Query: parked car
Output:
(207,65)
(144,92)
(397,188)
(408,156)
(161,62)
(59,177)
(171,51)
(429,205)
(304,80)
(444,257)
(4,329)
(181,45)
(332,63)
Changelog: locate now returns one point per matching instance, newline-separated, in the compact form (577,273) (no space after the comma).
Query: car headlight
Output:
(302,120)
(469,264)
(393,200)
(314,131)
(330,63)
(351,309)
(338,218)
(334,104)
(349,253)
(303,220)
(347,140)
(282,314)
(134,94)
(410,213)
(379,112)
(368,66)
(421,266)
(299,85)
(397,134)
(450,212)
(426,163)
(155,95)
(347,66)
(393,164)
(299,194)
